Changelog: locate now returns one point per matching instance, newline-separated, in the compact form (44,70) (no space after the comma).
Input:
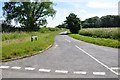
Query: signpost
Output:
(34,38)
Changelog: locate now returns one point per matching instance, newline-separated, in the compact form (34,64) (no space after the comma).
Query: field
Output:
(100,36)
(111,33)
(19,43)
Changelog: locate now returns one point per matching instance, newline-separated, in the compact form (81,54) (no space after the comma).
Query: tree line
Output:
(74,23)
(103,22)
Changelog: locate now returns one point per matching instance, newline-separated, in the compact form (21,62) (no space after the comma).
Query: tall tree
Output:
(29,14)
(73,23)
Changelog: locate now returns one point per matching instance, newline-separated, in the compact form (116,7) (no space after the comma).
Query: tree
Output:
(110,21)
(63,25)
(29,14)
(73,23)
(93,22)
(104,21)
(7,28)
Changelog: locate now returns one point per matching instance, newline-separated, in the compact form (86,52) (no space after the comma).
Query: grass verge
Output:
(23,48)
(98,41)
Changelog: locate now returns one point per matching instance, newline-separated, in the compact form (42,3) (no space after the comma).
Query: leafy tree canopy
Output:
(29,14)
(73,23)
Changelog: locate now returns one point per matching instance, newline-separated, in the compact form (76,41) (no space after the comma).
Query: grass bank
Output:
(100,36)
(18,47)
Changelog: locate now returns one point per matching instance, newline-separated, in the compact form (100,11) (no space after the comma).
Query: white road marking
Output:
(115,67)
(67,40)
(61,71)
(44,70)
(4,67)
(56,46)
(99,73)
(80,72)
(29,68)
(97,60)
(16,67)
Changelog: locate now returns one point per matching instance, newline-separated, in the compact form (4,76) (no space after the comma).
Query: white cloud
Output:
(62,14)
(82,10)
(78,12)
(67,0)
(102,4)
(59,17)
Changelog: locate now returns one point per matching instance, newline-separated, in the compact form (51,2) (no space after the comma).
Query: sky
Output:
(82,8)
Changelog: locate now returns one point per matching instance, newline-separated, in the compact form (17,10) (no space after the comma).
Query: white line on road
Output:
(80,72)
(56,46)
(67,40)
(29,68)
(4,67)
(97,60)
(99,73)
(44,70)
(115,67)
(61,71)
(16,67)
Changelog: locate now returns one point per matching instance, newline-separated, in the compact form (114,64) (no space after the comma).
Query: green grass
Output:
(17,35)
(14,35)
(20,47)
(110,33)
(98,41)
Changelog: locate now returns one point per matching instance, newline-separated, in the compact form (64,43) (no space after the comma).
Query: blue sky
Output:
(82,8)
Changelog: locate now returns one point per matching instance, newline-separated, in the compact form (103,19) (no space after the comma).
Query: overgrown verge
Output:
(25,47)
(98,41)
(21,34)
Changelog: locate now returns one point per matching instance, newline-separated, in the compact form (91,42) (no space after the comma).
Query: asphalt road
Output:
(67,58)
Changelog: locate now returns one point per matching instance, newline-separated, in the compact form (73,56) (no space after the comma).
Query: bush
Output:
(43,30)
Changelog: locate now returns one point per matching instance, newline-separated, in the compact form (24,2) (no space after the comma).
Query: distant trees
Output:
(73,23)
(110,21)
(29,14)
(63,25)
(91,22)
(104,21)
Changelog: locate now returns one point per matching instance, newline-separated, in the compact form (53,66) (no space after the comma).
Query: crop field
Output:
(111,33)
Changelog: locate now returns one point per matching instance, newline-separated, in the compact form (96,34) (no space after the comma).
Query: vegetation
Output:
(20,34)
(43,30)
(21,45)
(102,31)
(98,41)
(73,23)
(63,25)
(107,21)
(14,35)
(111,33)
(30,15)
(103,22)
